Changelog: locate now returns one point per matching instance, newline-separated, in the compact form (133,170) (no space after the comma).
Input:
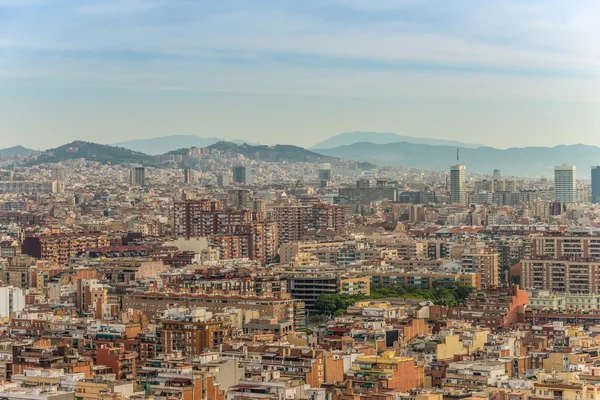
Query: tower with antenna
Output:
(458,190)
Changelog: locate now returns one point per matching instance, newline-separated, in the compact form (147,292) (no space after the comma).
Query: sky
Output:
(503,73)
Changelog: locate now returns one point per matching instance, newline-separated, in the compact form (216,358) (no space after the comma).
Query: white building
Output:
(565,188)
(12,299)
(458,190)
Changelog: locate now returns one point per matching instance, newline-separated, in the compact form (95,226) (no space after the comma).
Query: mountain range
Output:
(17,151)
(348,138)
(102,153)
(164,144)
(106,154)
(524,161)
(277,153)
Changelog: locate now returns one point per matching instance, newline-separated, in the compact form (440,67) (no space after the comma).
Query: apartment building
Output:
(313,366)
(474,376)
(295,219)
(154,303)
(561,275)
(412,250)
(485,263)
(289,250)
(387,371)
(496,309)
(18,272)
(60,248)
(121,362)
(173,377)
(199,218)
(191,331)
(308,284)
(565,246)
(255,241)
(364,193)
(9,248)
(235,233)
(17,187)
(424,279)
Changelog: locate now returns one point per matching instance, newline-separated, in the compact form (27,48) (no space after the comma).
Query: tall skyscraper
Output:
(325,172)
(223,180)
(458,190)
(59,173)
(188,175)
(238,198)
(137,176)
(596,184)
(242,174)
(565,188)
(497,175)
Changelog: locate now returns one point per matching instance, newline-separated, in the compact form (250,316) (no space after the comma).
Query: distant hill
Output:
(94,152)
(165,144)
(348,138)
(17,151)
(526,161)
(277,153)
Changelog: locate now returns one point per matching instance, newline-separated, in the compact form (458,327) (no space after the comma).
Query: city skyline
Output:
(501,74)
(300,200)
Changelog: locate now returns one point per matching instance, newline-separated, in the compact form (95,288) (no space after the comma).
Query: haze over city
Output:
(299,200)
(498,73)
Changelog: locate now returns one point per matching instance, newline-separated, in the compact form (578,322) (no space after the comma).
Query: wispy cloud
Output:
(306,41)
(116,7)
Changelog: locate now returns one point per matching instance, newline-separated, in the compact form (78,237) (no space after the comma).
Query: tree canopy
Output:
(336,304)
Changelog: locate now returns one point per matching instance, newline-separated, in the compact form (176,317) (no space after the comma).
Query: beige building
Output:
(288,251)
(153,303)
(485,263)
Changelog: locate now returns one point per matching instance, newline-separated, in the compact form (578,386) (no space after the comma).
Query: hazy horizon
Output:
(500,73)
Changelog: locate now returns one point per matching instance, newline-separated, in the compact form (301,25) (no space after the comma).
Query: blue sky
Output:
(503,73)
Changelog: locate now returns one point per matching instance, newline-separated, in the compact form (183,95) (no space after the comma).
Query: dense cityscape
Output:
(214,275)
(299,200)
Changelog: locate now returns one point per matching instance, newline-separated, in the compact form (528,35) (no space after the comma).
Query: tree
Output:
(462,292)
(331,303)
(318,319)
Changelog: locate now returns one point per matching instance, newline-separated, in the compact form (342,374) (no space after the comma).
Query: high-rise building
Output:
(596,184)
(7,176)
(294,220)
(242,174)
(137,176)
(59,173)
(32,187)
(238,198)
(565,184)
(485,263)
(325,172)
(363,193)
(497,175)
(188,176)
(234,233)
(223,180)
(196,218)
(484,186)
(458,190)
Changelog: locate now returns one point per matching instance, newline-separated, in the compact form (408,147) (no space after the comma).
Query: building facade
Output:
(565,184)
(458,190)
